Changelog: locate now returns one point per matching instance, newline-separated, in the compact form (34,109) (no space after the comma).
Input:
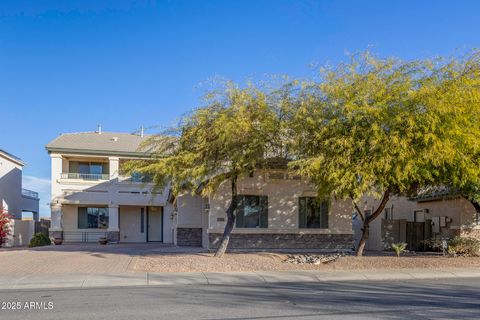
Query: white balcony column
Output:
(113,218)
(113,230)
(56,174)
(56,218)
(113,167)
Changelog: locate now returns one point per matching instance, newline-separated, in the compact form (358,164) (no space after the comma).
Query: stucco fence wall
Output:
(21,233)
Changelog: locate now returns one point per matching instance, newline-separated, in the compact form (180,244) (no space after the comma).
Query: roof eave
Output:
(98,152)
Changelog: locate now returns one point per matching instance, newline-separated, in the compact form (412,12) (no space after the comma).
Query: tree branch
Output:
(381,206)
(360,213)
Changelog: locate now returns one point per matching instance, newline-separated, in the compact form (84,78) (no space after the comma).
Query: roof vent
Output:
(114,139)
(99,129)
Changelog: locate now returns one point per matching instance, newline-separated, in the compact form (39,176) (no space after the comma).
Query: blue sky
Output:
(66,66)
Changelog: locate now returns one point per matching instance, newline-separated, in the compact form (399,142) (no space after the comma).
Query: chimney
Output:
(99,129)
(141,131)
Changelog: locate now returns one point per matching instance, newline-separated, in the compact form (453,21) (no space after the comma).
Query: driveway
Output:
(80,258)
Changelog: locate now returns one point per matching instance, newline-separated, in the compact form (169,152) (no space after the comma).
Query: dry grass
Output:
(236,262)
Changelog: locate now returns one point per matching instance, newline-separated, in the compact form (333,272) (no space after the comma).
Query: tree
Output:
(237,131)
(387,127)
(5,229)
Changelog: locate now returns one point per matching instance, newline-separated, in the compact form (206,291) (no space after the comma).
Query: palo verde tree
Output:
(387,127)
(237,131)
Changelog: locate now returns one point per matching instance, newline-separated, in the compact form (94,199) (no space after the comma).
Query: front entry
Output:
(154,224)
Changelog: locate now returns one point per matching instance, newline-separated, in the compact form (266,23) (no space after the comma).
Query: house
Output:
(276,210)
(91,198)
(435,213)
(13,198)
(16,200)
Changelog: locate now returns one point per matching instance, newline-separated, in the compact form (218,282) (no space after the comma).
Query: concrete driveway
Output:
(79,258)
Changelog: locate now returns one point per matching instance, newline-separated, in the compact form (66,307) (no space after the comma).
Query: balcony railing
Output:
(85,176)
(29,193)
(137,177)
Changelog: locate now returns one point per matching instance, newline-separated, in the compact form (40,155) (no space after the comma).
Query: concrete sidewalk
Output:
(221,278)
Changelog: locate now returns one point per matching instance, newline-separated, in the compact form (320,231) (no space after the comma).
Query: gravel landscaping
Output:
(238,262)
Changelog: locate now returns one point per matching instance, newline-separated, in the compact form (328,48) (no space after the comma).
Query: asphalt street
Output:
(412,299)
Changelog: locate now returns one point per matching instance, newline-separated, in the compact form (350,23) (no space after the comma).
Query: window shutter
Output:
(73,167)
(105,168)
(239,212)
(302,208)
(264,213)
(324,214)
(82,218)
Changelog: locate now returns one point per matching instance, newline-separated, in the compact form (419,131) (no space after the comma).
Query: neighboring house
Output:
(13,198)
(90,198)
(433,214)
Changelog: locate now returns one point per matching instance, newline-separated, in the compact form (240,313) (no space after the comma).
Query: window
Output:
(142,220)
(313,213)
(92,218)
(87,170)
(252,212)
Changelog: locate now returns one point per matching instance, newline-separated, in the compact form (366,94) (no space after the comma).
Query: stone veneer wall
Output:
(284,241)
(189,237)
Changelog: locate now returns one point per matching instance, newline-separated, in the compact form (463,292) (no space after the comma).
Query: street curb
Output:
(77,281)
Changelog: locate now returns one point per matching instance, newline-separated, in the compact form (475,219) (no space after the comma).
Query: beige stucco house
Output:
(276,211)
(92,199)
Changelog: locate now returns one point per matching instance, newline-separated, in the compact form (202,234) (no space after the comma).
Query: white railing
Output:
(85,176)
(83,236)
(29,193)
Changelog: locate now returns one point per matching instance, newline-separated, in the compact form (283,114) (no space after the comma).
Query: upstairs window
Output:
(313,213)
(88,170)
(252,212)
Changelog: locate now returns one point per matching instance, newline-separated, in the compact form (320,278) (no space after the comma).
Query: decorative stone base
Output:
(284,241)
(56,234)
(113,236)
(189,237)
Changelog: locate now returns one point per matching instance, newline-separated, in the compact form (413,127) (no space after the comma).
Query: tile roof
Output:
(98,143)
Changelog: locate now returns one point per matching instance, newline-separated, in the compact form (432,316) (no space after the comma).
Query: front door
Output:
(154,224)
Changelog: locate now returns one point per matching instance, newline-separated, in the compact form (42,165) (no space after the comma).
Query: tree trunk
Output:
(368,220)
(230,220)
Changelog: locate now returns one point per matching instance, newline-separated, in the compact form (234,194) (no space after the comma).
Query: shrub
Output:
(399,248)
(5,229)
(464,246)
(38,240)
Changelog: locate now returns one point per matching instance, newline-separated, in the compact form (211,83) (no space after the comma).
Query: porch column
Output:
(113,163)
(56,226)
(113,231)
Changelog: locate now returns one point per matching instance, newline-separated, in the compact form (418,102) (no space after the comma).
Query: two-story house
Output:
(92,199)
(13,198)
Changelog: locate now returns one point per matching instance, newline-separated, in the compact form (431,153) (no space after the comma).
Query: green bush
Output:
(464,246)
(38,240)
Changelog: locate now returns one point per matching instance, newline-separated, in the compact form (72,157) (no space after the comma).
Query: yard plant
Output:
(39,239)
(399,248)
(464,246)
(5,230)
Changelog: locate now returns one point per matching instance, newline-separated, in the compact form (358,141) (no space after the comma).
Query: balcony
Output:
(85,176)
(29,194)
